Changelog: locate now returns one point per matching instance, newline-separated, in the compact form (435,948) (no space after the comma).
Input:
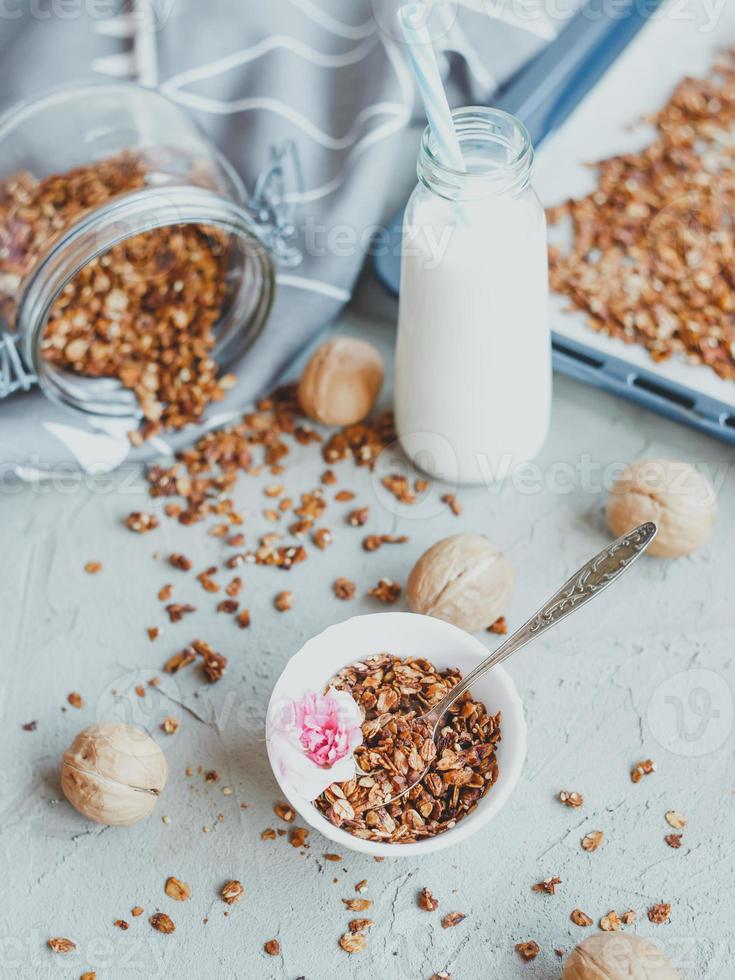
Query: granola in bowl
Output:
(419,645)
(462,763)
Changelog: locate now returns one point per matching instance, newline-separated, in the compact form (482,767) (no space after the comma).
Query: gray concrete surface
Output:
(600,694)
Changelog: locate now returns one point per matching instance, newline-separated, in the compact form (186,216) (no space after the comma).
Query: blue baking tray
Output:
(543,95)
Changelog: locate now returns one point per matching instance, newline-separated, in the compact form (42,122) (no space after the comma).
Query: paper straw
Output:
(413,20)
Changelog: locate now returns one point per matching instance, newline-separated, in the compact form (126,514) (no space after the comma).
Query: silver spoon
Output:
(591,579)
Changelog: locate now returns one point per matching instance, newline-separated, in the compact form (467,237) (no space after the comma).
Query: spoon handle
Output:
(591,579)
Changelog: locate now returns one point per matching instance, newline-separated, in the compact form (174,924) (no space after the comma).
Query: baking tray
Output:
(578,98)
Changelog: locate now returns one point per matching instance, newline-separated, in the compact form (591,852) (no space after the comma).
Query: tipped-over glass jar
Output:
(473,355)
(132,266)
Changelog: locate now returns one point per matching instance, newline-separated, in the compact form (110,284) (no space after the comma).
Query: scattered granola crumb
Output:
(361,886)
(629,917)
(228,606)
(165,592)
(452,919)
(178,890)
(610,922)
(359,517)
(529,950)
(284,601)
(426,901)
(358,925)
(399,487)
(232,891)
(162,922)
(641,769)
(136,911)
(268,834)
(571,799)
(344,589)
(170,725)
(676,820)
(141,522)
(333,857)
(30,726)
(243,619)
(121,924)
(352,942)
(61,945)
(659,913)
(75,699)
(547,886)
(451,501)
(93,567)
(179,561)
(673,840)
(500,626)
(284,811)
(386,591)
(357,904)
(153,633)
(323,538)
(580,918)
(177,610)
(272,947)
(89,975)
(297,836)
(592,841)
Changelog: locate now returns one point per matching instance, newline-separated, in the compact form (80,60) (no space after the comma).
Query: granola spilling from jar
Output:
(144,312)
(462,764)
(651,252)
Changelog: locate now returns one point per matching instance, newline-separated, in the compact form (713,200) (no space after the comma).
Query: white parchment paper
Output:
(683,38)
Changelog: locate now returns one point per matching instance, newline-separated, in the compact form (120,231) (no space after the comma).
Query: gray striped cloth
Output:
(328,75)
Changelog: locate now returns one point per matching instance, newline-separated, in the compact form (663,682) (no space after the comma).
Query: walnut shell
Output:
(618,956)
(113,773)
(672,494)
(465,580)
(341,381)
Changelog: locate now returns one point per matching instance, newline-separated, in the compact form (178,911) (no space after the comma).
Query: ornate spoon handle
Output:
(591,579)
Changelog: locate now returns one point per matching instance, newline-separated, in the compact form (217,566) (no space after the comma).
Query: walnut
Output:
(674,495)
(341,381)
(618,956)
(464,579)
(113,773)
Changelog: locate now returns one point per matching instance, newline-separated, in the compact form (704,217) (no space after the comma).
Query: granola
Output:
(144,312)
(462,765)
(650,260)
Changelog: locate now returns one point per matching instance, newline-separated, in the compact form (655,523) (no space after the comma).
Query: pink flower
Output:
(313,738)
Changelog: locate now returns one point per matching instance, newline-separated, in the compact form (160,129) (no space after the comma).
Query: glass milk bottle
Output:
(473,355)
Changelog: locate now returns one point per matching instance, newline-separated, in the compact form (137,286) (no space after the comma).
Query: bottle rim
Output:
(477,125)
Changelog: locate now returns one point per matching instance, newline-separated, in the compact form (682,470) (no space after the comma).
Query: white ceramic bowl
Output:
(407,635)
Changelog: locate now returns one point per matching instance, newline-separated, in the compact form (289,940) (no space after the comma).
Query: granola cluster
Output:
(651,256)
(144,312)
(462,765)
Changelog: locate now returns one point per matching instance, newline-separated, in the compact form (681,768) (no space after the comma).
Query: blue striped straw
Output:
(413,19)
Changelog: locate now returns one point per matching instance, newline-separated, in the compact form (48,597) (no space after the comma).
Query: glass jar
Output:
(129,164)
(473,354)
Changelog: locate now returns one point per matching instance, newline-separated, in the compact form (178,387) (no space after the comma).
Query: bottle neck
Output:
(497,152)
